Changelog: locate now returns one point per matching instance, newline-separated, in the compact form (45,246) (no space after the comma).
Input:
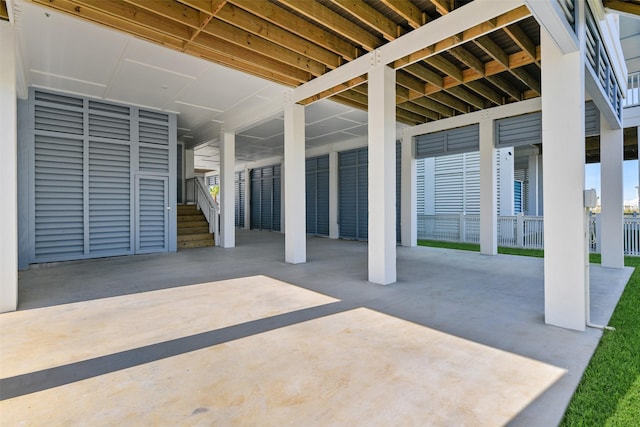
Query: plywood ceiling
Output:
(293,41)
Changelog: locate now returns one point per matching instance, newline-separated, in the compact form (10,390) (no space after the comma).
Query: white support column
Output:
(506,181)
(294,185)
(382,175)
(611,158)
(532,185)
(8,171)
(566,268)
(488,190)
(227,190)
(334,228)
(408,195)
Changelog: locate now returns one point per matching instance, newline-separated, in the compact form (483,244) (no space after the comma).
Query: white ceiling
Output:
(64,53)
(630,41)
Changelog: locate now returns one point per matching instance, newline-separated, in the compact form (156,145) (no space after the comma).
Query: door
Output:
(152,214)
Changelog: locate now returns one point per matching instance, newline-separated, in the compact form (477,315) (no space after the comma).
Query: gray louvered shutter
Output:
(322,196)
(240,198)
(256,195)
(465,139)
(310,196)
(348,194)
(449,190)
(277,190)
(59,198)
(519,130)
(398,189)
(109,198)
(363,193)
(591,119)
(154,144)
(152,225)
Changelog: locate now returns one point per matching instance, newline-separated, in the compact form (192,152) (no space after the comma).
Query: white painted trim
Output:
(295,241)
(550,16)
(227,190)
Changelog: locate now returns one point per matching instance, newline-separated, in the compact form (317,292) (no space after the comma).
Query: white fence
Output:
(518,231)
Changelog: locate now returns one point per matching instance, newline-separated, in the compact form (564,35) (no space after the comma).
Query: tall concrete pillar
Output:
(294,185)
(408,195)
(8,171)
(488,190)
(566,268)
(612,197)
(334,229)
(382,175)
(227,190)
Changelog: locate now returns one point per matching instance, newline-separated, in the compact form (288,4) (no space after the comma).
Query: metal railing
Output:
(518,231)
(198,193)
(633,91)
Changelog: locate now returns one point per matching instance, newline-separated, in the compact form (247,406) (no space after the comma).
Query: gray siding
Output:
(452,141)
(519,130)
(265,198)
(317,195)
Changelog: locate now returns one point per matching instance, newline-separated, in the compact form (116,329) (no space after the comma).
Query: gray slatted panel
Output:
(213,180)
(317,195)
(459,140)
(265,198)
(59,198)
(240,178)
(58,99)
(420,197)
(109,198)
(61,120)
(517,197)
(109,127)
(153,159)
(348,194)
(109,108)
(179,173)
(153,115)
(519,130)
(363,193)
(472,183)
(591,119)
(151,213)
(523,175)
(154,133)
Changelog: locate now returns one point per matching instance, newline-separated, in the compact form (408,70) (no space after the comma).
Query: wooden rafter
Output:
(521,39)
(626,6)
(415,18)
(370,17)
(4,13)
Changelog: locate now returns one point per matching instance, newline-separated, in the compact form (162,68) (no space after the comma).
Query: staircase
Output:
(193,228)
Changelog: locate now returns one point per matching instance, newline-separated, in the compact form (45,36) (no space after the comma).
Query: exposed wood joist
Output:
(4,13)
(328,18)
(626,6)
(296,25)
(294,41)
(415,18)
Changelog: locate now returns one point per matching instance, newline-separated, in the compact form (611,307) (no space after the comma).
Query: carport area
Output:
(236,336)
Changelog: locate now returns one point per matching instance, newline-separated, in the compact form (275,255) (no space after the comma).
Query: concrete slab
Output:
(495,303)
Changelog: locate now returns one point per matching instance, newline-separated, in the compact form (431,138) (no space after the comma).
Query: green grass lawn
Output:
(609,392)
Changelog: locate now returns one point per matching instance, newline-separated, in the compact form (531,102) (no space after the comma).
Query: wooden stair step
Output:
(189,224)
(193,230)
(196,244)
(195,236)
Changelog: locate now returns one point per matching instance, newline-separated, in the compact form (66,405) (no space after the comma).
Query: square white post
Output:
(409,194)
(227,190)
(507,176)
(488,190)
(382,175)
(612,216)
(334,228)
(566,268)
(294,185)
(8,171)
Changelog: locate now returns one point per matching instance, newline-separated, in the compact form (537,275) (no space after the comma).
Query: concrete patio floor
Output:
(237,337)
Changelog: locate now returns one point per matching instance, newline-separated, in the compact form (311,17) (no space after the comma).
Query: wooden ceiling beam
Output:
(110,21)
(527,79)
(210,7)
(439,108)
(409,117)
(493,50)
(296,25)
(468,97)
(419,110)
(175,11)
(442,6)
(257,59)
(467,58)
(371,17)
(422,72)
(485,91)
(450,101)
(240,18)
(505,86)
(140,17)
(445,66)
(409,11)
(520,38)
(330,19)
(248,41)
(406,80)
(623,6)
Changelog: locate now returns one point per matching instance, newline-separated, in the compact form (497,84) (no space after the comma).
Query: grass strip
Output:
(609,391)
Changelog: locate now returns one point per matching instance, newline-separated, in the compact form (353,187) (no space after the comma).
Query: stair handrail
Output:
(205,202)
